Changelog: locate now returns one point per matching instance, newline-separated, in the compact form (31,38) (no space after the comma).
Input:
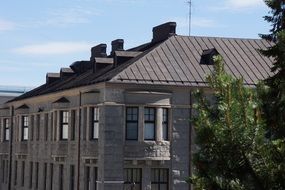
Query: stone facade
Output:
(44,161)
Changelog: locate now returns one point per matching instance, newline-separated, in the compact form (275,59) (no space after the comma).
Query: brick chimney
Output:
(117,45)
(163,31)
(98,51)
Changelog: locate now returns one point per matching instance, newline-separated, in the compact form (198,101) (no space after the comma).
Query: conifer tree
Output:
(274,96)
(233,153)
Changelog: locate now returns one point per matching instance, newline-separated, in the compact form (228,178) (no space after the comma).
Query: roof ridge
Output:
(221,37)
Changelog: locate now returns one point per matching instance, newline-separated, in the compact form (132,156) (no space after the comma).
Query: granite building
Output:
(119,121)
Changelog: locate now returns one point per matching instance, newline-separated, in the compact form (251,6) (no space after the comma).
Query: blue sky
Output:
(42,36)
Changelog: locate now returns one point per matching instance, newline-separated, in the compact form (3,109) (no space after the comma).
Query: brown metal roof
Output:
(175,61)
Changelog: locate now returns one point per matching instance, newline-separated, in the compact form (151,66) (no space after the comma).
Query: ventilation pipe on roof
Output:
(98,51)
(163,31)
(207,57)
(117,45)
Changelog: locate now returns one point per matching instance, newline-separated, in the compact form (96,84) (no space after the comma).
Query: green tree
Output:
(241,137)
(274,94)
(233,152)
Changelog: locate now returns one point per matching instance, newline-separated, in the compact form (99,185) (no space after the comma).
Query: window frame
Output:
(61,177)
(133,171)
(95,122)
(64,123)
(165,123)
(132,121)
(25,127)
(6,124)
(87,178)
(149,121)
(15,172)
(38,125)
(31,175)
(159,182)
(23,168)
(72,177)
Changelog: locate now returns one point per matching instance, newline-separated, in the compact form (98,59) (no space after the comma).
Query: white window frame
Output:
(25,127)
(95,124)
(64,124)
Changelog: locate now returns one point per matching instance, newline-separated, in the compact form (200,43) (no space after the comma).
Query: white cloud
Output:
(204,23)
(244,3)
(6,25)
(54,48)
(197,22)
(64,17)
(237,5)
(76,15)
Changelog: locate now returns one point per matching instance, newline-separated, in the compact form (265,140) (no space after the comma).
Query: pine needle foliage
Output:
(233,153)
(274,94)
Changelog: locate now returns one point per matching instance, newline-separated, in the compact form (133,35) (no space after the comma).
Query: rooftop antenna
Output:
(190,15)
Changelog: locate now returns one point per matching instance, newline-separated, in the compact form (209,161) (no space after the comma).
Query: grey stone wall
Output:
(111,153)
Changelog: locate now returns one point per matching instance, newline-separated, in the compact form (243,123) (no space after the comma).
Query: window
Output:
(132,178)
(6,130)
(25,128)
(38,124)
(3,170)
(73,123)
(45,177)
(95,177)
(165,124)
(60,177)
(51,176)
(132,123)
(15,172)
(46,127)
(149,123)
(5,164)
(90,178)
(32,127)
(159,179)
(95,123)
(37,175)
(64,117)
(71,178)
(51,127)
(23,174)
(31,175)
(87,181)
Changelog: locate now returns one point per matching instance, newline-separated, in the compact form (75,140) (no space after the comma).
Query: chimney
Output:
(121,57)
(66,72)
(81,66)
(163,31)
(117,45)
(98,51)
(101,63)
(52,77)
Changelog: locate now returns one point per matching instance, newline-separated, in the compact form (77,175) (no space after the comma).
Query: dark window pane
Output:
(132,131)
(154,187)
(159,179)
(132,178)
(165,124)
